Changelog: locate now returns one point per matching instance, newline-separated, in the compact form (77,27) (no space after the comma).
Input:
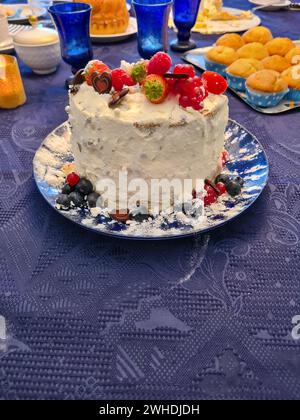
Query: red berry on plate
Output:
(224,157)
(94,66)
(155,88)
(215,83)
(221,188)
(160,63)
(120,79)
(210,197)
(184,69)
(185,101)
(73,179)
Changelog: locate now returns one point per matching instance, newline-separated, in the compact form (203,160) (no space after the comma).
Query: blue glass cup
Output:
(185,14)
(152,18)
(72,21)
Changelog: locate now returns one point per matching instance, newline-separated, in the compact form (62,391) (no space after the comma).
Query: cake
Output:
(211,8)
(163,127)
(108,16)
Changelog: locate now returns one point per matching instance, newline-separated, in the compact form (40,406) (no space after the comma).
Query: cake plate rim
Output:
(181,235)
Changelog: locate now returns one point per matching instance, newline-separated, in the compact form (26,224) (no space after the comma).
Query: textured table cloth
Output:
(89,317)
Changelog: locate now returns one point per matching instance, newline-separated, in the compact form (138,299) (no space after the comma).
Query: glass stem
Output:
(183,36)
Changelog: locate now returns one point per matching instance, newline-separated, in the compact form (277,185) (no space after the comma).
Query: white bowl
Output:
(42,59)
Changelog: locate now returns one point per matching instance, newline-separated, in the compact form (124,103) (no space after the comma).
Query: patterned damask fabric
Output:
(90,317)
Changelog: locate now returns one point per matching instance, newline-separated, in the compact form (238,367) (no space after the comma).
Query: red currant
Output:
(210,197)
(185,101)
(184,69)
(73,179)
(215,83)
(221,188)
(160,63)
(196,104)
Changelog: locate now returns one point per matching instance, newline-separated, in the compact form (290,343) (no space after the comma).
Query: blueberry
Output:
(84,187)
(239,180)
(76,199)
(64,201)
(233,188)
(224,178)
(67,189)
(92,199)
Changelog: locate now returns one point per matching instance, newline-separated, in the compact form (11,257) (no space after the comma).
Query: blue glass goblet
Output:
(72,21)
(152,18)
(185,14)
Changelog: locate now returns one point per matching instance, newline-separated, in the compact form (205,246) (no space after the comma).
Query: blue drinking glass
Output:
(185,14)
(152,17)
(72,21)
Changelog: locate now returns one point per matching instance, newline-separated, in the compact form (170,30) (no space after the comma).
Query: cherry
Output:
(73,179)
(215,83)
(211,196)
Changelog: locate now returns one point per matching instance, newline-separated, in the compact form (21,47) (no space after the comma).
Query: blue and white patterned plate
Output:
(247,159)
(197,58)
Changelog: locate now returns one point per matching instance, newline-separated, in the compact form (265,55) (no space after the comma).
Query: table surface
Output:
(96,318)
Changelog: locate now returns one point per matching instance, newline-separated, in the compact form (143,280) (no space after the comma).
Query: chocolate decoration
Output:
(102,82)
(117,97)
(176,76)
(78,80)
(120,216)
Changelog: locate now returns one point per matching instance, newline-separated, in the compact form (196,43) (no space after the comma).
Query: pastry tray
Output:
(196,57)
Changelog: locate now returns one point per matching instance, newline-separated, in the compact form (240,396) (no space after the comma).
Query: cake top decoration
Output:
(154,79)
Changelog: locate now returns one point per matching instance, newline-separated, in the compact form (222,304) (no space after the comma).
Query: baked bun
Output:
(293,56)
(276,62)
(222,55)
(260,34)
(244,67)
(292,77)
(234,41)
(254,50)
(280,46)
(268,81)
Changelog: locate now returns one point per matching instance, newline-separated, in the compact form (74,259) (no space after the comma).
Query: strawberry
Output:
(94,66)
(160,63)
(215,83)
(155,88)
(139,71)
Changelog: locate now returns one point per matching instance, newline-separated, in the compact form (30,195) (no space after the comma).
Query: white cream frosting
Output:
(149,141)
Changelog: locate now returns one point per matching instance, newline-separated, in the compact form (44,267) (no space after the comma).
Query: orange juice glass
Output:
(12,92)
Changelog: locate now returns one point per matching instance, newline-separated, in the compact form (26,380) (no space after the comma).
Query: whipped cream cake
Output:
(147,121)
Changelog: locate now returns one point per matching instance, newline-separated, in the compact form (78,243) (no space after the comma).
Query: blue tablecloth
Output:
(90,317)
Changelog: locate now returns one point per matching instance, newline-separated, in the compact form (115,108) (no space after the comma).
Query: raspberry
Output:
(92,67)
(120,79)
(196,104)
(160,63)
(185,101)
(73,179)
(210,197)
(221,188)
(184,69)
(215,83)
